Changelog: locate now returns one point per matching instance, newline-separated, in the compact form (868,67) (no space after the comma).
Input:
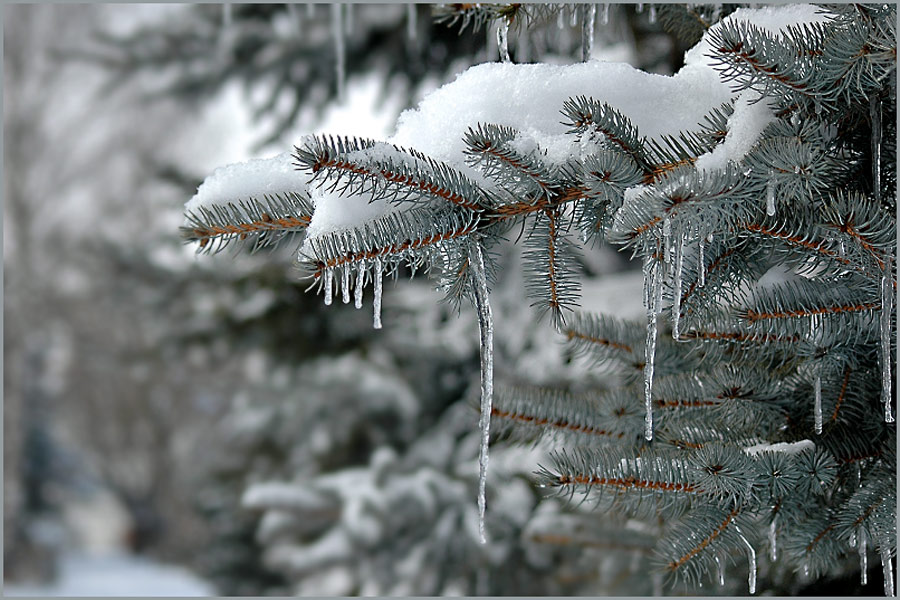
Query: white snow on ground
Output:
(115,575)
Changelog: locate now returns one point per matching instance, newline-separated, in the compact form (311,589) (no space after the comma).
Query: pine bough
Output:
(752,415)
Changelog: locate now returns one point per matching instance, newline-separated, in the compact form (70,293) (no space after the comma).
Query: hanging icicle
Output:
(337,30)
(770,195)
(376,323)
(653,300)
(411,24)
(486,330)
(887,301)
(587,31)
(751,556)
(875,112)
(640,7)
(560,17)
(651,16)
(676,287)
(329,277)
(773,548)
(604,14)
(863,558)
(574,18)
(345,284)
(360,282)
(888,572)
(701,261)
(503,40)
(818,405)
(720,570)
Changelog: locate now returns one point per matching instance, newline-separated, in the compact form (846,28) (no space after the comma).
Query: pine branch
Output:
(269,222)
(549,262)
(389,172)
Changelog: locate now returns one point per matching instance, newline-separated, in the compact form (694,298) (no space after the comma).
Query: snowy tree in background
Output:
(743,432)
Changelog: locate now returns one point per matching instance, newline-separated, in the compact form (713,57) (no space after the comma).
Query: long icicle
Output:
(604,14)
(486,330)
(345,284)
(376,281)
(751,556)
(875,112)
(818,405)
(587,31)
(702,261)
(503,40)
(863,558)
(888,572)
(653,300)
(770,195)
(773,548)
(887,301)
(360,282)
(329,277)
(676,287)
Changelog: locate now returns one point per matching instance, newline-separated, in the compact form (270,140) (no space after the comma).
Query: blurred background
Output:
(190,425)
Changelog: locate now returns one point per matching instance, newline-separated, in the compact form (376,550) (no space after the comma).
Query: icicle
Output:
(818,107)
(653,297)
(587,31)
(503,40)
(604,14)
(863,558)
(226,15)
(875,112)
(676,289)
(652,15)
(360,282)
(720,570)
(560,18)
(773,548)
(329,276)
(751,555)
(640,7)
(337,30)
(667,236)
(852,540)
(377,292)
(702,261)
(574,20)
(411,21)
(770,195)
(888,572)
(486,330)
(818,405)
(887,300)
(345,284)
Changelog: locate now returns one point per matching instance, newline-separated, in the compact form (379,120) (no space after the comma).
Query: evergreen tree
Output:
(748,423)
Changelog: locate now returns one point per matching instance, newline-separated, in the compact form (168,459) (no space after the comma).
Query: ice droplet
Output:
(376,323)
(818,405)
(875,112)
(329,277)
(337,30)
(888,572)
(653,296)
(503,40)
(411,21)
(486,331)
(863,558)
(770,195)
(587,31)
(773,548)
(751,557)
(360,282)
(676,288)
(887,300)
(604,14)
(345,284)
